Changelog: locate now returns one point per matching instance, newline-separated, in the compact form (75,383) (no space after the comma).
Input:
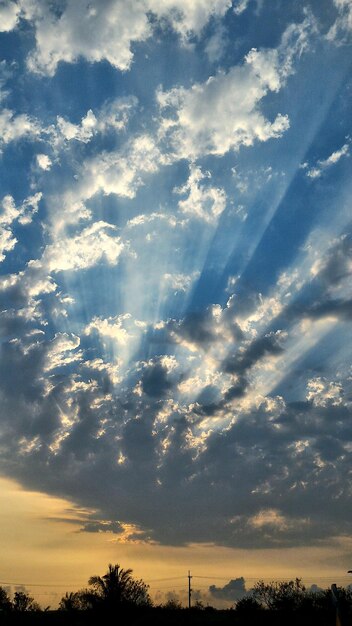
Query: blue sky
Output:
(176,252)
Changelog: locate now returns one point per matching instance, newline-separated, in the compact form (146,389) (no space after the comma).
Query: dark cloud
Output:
(233,590)
(155,380)
(102,527)
(337,264)
(277,476)
(269,344)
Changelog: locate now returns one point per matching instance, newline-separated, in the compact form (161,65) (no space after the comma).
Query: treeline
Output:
(118,595)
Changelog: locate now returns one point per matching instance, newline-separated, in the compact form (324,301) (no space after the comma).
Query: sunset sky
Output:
(175,293)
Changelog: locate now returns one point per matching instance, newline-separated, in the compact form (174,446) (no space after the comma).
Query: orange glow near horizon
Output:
(44,550)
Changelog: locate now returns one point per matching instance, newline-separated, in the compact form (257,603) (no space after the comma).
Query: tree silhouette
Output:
(5,602)
(77,600)
(248,604)
(23,602)
(279,595)
(118,587)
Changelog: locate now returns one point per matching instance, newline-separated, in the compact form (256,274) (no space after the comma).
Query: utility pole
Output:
(189,589)
(336,603)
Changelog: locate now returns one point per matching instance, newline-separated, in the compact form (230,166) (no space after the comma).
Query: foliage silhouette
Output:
(117,596)
(5,602)
(23,602)
(172,604)
(118,587)
(115,589)
(76,601)
(282,595)
(248,605)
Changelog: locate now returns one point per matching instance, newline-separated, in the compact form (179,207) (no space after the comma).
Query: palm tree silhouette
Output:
(113,585)
(118,586)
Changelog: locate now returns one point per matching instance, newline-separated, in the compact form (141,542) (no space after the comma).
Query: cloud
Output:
(323,393)
(111,328)
(7,242)
(240,6)
(94,243)
(269,517)
(232,591)
(100,31)
(15,127)
(157,377)
(44,162)
(341,30)
(95,31)
(198,328)
(9,14)
(60,353)
(119,172)
(113,116)
(179,282)
(23,214)
(11,214)
(189,18)
(269,344)
(324,164)
(203,202)
(82,132)
(222,114)
(143,438)
(215,46)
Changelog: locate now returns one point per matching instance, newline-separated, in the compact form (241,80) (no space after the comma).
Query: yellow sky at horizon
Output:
(41,545)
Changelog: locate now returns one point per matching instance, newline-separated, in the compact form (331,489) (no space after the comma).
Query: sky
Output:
(175,291)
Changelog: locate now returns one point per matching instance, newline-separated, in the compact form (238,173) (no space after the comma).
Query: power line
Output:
(171,587)
(313,578)
(160,580)
(321,578)
(6,582)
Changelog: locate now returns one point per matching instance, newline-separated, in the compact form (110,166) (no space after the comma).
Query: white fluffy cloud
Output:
(9,13)
(113,116)
(119,333)
(94,243)
(10,213)
(106,30)
(322,392)
(60,351)
(223,113)
(44,162)
(112,328)
(23,213)
(179,282)
(93,30)
(120,172)
(189,17)
(203,202)
(14,127)
(7,242)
